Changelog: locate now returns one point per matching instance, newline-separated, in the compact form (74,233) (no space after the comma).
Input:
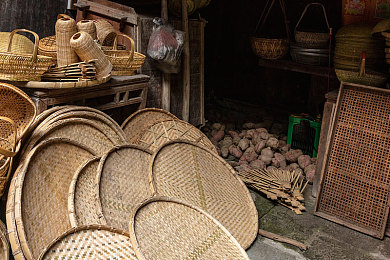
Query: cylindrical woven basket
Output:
(65,29)
(122,60)
(90,242)
(312,39)
(4,244)
(105,32)
(19,66)
(165,228)
(82,200)
(87,49)
(190,172)
(122,179)
(47,47)
(87,26)
(138,122)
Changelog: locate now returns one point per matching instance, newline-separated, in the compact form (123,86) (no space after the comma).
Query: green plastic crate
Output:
(304,134)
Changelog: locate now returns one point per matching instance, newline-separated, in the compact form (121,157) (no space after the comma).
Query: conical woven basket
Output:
(4,244)
(160,133)
(105,32)
(41,195)
(163,228)
(87,49)
(19,66)
(87,26)
(65,29)
(122,182)
(20,43)
(91,242)
(82,200)
(194,174)
(137,123)
(48,47)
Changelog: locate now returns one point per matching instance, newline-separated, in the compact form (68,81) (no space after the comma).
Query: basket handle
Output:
(115,45)
(6,152)
(35,53)
(305,10)
(63,16)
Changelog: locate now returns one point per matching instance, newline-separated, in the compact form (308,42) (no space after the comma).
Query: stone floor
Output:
(324,239)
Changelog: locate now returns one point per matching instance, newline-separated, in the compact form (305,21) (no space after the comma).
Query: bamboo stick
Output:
(282,239)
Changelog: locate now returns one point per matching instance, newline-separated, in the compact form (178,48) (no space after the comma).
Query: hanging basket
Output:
(312,39)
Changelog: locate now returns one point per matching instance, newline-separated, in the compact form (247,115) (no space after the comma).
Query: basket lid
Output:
(122,183)
(164,228)
(82,201)
(41,195)
(190,172)
(48,44)
(91,242)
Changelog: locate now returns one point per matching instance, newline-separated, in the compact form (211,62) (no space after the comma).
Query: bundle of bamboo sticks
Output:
(72,72)
(286,187)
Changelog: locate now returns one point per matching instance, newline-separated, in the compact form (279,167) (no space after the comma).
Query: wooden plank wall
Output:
(36,15)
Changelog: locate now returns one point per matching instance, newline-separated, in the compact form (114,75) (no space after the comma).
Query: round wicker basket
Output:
(270,49)
(48,47)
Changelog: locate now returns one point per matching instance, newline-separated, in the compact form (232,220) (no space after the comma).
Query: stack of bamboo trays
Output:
(72,72)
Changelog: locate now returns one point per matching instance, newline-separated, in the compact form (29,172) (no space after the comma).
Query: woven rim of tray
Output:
(136,124)
(243,227)
(20,189)
(130,170)
(152,139)
(91,217)
(63,84)
(106,243)
(217,228)
(4,241)
(91,139)
(28,106)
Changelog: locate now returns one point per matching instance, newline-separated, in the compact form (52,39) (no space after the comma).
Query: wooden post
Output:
(166,77)
(186,64)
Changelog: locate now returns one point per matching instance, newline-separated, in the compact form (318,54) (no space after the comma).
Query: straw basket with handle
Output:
(266,48)
(17,66)
(65,28)
(124,62)
(312,39)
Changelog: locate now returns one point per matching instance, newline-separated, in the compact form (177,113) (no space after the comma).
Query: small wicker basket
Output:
(48,47)
(16,66)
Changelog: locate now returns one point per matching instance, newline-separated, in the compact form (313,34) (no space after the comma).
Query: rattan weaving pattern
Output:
(190,172)
(356,182)
(4,244)
(91,242)
(172,230)
(41,196)
(163,132)
(82,201)
(123,169)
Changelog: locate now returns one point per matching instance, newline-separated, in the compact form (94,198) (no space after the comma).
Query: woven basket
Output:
(91,242)
(20,43)
(105,32)
(164,228)
(8,137)
(4,244)
(48,47)
(87,49)
(160,133)
(82,200)
(65,29)
(122,179)
(87,26)
(370,78)
(122,60)
(137,123)
(15,66)
(190,172)
(312,39)
(41,194)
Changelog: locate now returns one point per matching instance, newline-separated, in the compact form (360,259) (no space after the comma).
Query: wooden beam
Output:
(186,64)
(166,77)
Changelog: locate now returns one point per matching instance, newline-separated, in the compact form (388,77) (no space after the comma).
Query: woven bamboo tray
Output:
(122,183)
(137,123)
(163,228)
(4,244)
(41,194)
(64,84)
(91,242)
(160,133)
(184,170)
(82,200)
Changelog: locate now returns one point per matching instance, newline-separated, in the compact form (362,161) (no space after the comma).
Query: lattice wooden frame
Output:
(355,180)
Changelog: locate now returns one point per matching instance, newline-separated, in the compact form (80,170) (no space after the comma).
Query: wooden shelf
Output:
(290,65)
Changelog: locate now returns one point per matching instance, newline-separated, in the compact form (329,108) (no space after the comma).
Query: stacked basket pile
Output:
(154,188)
